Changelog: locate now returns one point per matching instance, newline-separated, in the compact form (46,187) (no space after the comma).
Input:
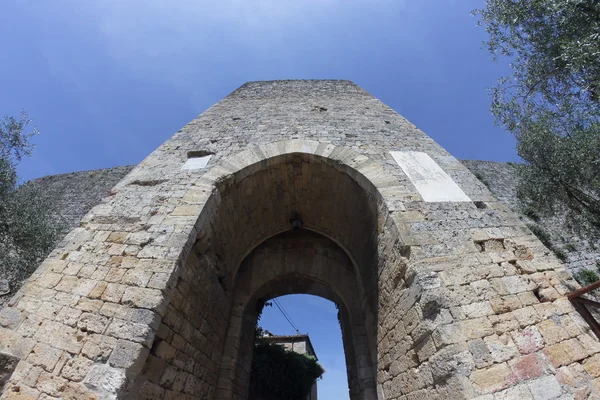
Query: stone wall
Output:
(458,298)
(75,193)
(71,196)
(500,179)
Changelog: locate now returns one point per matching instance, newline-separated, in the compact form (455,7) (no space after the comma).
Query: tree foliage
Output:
(29,227)
(551,101)
(277,373)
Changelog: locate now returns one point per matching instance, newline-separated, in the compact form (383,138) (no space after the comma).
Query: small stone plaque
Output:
(196,163)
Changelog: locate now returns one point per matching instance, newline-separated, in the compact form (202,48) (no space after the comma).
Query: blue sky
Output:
(107,81)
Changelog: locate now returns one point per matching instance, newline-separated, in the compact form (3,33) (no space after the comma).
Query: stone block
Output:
(462,331)
(26,374)
(546,388)
(98,290)
(527,298)
(502,348)
(76,369)
(68,316)
(505,304)
(49,280)
(89,322)
(528,340)
(159,281)
(425,348)
(113,292)
(106,380)
(557,355)
(168,377)
(99,347)
(136,277)
(591,344)
(167,352)
(117,237)
(592,365)
(154,368)
(519,392)
(44,356)
(145,298)
(139,333)
(527,316)
(51,384)
(415,379)
(129,356)
(504,323)
(114,274)
(74,391)
(477,310)
(526,367)
(574,349)
(454,360)
(552,332)
(89,305)
(481,353)
(493,379)
(10,318)
(151,391)
(518,283)
(17,391)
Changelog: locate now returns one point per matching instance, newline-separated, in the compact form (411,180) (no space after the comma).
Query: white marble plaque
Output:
(432,183)
(196,163)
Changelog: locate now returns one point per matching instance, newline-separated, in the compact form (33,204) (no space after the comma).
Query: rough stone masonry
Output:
(443,292)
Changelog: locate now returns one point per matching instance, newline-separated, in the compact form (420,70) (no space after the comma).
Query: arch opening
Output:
(247,210)
(297,262)
(304,324)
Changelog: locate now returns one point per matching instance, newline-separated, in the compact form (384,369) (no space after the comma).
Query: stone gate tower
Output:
(443,292)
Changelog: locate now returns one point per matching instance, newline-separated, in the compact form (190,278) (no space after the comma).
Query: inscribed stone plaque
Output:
(432,183)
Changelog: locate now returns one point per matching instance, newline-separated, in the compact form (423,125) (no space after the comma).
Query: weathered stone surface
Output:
(493,379)
(155,290)
(545,388)
(144,298)
(500,178)
(75,391)
(105,380)
(10,318)
(89,322)
(51,384)
(526,367)
(140,333)
(76,369)
(45,356)
(128,355)
(98,347)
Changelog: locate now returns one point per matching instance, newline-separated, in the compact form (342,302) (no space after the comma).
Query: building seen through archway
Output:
(307,325)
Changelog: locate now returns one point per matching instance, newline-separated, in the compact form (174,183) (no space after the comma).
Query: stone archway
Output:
(468,302)
(255,194)
(294,262)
